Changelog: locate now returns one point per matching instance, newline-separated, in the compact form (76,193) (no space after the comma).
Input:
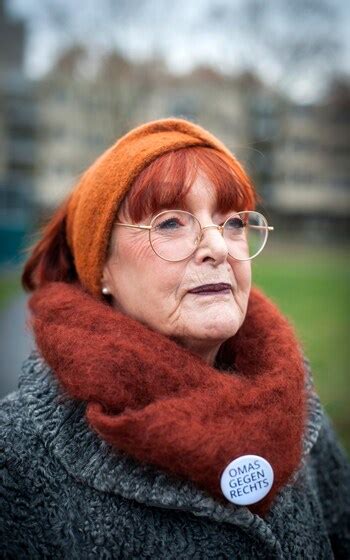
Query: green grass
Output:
(9,287)
(311,286)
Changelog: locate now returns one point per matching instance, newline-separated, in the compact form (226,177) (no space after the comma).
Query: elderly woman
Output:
(167,410)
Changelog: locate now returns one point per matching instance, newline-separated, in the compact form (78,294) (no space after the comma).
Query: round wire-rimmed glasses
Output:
(174,235)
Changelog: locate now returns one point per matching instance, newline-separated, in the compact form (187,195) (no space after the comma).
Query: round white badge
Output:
(247,480)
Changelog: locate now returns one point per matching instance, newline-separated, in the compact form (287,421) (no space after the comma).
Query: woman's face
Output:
(156,292)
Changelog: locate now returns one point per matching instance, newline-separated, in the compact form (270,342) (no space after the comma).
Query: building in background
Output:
(53,128)
(78,116)
(76,122)
(18,127)
(12,41)
(336,114)
(311,170)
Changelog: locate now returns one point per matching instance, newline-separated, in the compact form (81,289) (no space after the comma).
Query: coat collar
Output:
(61,424)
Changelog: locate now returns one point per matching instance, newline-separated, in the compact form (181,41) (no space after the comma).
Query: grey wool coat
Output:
(64,493)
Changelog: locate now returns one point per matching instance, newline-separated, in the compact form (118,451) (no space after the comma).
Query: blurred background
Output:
(271,79)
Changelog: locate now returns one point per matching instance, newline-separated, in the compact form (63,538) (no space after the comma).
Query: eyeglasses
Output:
(174,235)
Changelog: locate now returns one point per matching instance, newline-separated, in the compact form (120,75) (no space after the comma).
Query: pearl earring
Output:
(105,290)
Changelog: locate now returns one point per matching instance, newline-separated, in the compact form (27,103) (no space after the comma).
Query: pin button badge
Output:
(247,480)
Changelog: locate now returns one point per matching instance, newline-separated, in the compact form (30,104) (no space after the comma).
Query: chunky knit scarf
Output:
(163,405)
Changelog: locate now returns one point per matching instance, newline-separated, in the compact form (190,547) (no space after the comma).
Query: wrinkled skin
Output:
(155,292)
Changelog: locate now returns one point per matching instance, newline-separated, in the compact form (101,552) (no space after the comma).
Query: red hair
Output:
(51,258)
(164,183)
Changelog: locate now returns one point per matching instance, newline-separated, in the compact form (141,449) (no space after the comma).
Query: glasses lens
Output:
(174,235)
(245,234)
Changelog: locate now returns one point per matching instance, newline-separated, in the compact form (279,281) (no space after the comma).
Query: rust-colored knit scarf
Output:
(165,406)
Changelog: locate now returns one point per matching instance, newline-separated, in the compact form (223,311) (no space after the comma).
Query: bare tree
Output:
(295,36)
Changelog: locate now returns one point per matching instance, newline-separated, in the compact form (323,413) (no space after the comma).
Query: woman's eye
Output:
(170,223)
(235,223)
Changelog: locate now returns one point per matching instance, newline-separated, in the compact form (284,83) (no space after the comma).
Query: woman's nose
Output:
(212,244)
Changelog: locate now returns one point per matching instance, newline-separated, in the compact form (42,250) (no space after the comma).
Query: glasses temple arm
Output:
(132,226)
(270,228)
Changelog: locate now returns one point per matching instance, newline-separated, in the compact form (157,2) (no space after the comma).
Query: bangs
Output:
(165,182)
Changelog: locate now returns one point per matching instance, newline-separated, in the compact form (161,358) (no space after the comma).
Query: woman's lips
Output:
(212,289)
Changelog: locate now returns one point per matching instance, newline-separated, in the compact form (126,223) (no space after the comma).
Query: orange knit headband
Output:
(94,202)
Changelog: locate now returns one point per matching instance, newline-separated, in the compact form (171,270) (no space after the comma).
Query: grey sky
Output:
(185,32)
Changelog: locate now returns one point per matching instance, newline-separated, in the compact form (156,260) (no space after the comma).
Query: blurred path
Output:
(15,343)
